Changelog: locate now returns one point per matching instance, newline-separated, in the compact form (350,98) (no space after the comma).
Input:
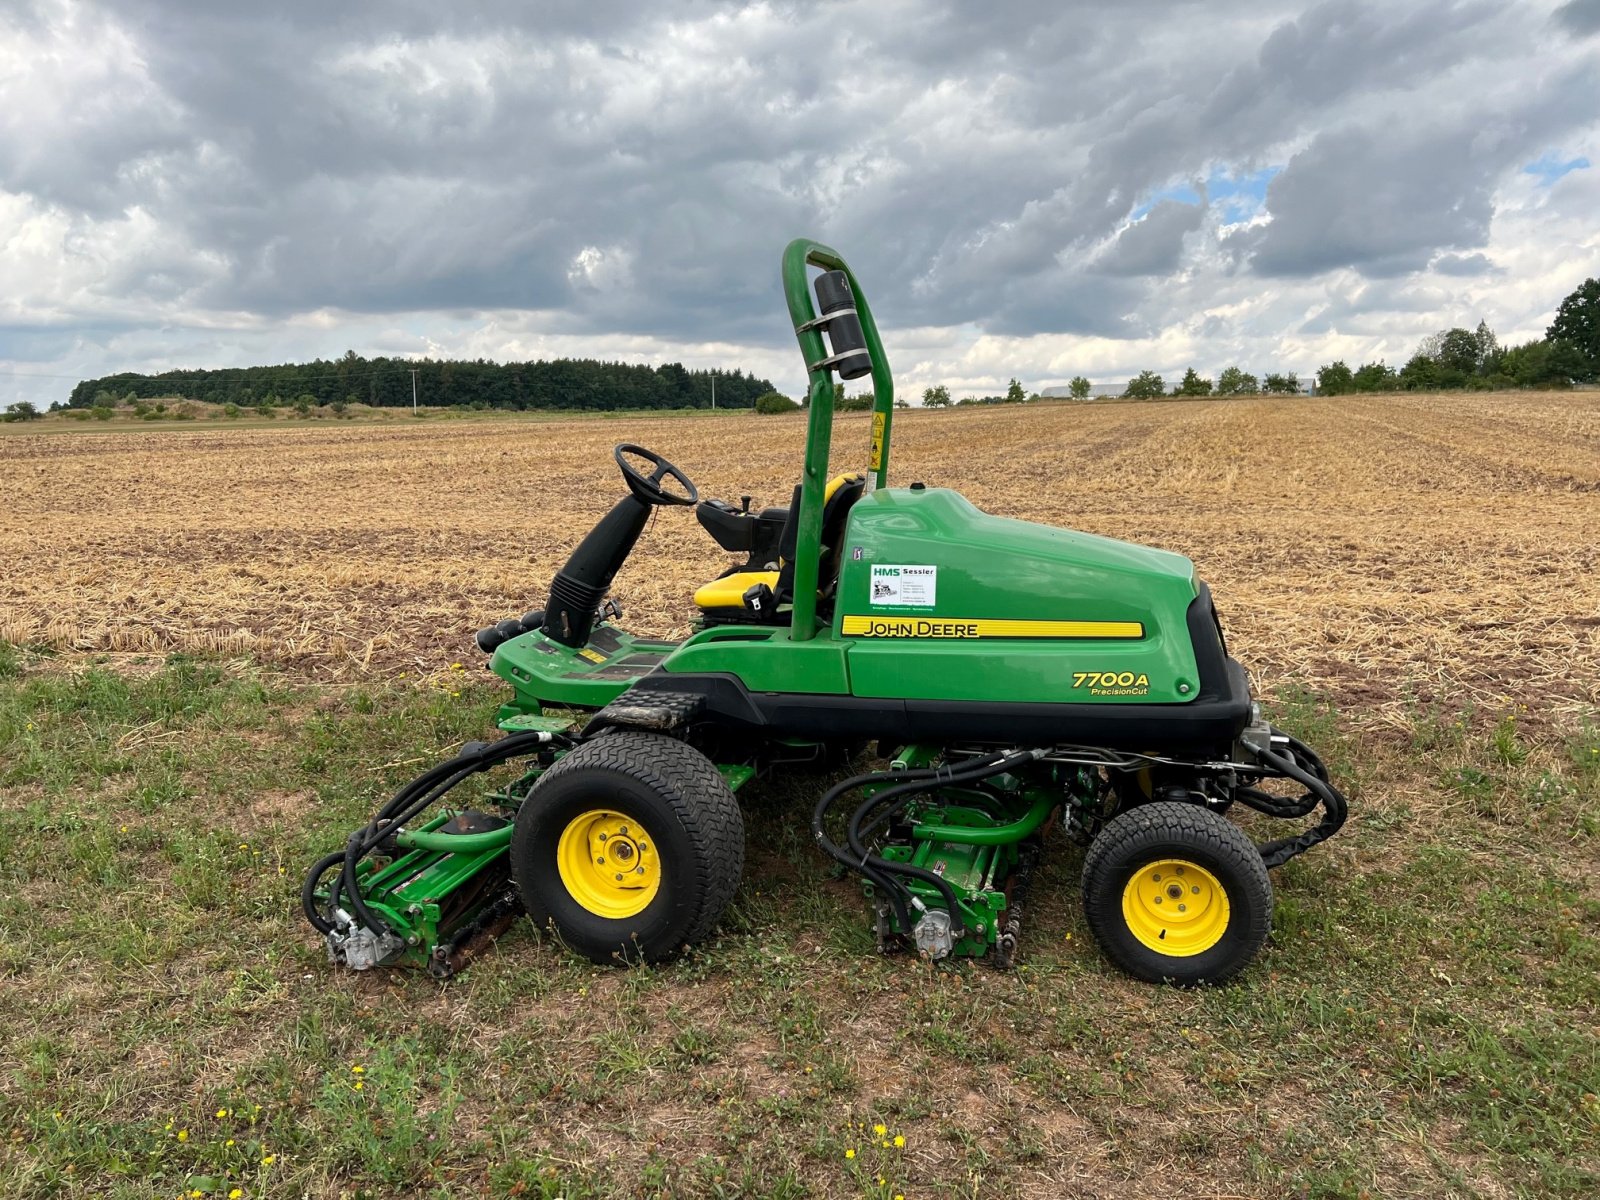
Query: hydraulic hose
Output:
(894,799)
(405,805)
(1318,788)
(903,785)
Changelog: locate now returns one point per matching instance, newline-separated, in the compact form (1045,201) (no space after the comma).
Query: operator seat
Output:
(752,592)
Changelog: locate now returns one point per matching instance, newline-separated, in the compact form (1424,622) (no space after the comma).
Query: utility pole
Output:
(413,391)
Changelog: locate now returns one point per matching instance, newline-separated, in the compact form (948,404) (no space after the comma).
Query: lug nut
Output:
(619,878)
(603,837)
(601,861)
(1195,890)
(1183,908)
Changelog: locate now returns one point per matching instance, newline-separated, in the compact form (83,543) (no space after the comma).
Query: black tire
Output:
(1191,836)
(682,804)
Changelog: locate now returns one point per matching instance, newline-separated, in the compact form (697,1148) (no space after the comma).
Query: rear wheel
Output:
(1175,893)
(629,848)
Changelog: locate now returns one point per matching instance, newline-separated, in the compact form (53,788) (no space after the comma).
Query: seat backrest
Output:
(842,492)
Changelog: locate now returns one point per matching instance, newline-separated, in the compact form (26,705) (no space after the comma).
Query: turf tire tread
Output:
(700,798)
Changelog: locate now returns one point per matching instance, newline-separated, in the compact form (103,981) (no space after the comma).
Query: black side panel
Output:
(1210,654)
(1208,725)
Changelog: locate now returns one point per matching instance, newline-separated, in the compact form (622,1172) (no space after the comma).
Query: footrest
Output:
(536,723)
(664,712)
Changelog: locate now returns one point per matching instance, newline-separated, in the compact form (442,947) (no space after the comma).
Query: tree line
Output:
(1457,358)
(562,384)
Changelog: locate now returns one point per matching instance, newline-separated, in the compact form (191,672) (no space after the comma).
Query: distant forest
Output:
(565,383)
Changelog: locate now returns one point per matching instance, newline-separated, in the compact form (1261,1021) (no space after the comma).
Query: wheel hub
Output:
(607,864)
(1175,907)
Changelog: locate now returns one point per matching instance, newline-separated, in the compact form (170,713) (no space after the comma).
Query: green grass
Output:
(1421,1024)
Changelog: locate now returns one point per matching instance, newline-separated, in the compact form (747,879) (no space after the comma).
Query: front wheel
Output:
(629,848)
(1175,893)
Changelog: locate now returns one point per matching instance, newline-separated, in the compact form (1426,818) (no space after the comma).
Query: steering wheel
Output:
(647,488)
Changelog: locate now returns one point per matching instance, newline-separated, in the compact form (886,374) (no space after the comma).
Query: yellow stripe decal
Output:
(983,627)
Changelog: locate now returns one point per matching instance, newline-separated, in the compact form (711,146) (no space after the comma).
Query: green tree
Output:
(1375,377)
(1015,393)
(774,402)
(1079,387)
(1283,385)
(1146,385)
(1420,374)
(1236,382)
(1336,379)
(838,394)
(339,406)
(1577,324)
(231,411)
(23,410)
(1192,385)
(936,397)
(1459,353)
(103,412)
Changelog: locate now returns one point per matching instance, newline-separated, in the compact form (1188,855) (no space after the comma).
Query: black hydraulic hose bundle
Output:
(409,802)
(1302,765)
(882,807)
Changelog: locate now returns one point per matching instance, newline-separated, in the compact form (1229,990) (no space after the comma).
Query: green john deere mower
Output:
(1023,682)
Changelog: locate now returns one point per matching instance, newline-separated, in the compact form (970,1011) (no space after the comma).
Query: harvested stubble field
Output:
(219,648)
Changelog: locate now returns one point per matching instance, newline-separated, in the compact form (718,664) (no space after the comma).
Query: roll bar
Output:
(808,327)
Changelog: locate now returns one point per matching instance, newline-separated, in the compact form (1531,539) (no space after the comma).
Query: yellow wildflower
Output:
(880,1129)
(358,1069)
(229,1142)
(269,1160)
(899,1141)
(235,1194)
(222,1112)
(850,1153)
(183,1135)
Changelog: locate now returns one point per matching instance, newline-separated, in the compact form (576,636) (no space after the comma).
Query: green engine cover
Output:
(938,600)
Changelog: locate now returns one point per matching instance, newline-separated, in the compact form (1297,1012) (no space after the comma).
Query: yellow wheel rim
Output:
(609,864)
(1175,907)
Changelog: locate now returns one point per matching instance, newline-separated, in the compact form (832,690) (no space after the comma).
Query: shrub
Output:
(230,410)
(774,402)
(102,412)
(1192,385)
(1336,379)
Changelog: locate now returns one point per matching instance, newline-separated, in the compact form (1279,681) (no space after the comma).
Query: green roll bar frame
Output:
(797,256)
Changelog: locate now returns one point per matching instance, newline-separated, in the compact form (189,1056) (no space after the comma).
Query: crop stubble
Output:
(1380,549)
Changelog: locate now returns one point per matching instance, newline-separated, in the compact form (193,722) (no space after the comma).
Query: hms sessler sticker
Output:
(905,586)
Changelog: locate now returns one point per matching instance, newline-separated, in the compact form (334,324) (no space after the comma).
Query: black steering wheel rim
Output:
(647,488)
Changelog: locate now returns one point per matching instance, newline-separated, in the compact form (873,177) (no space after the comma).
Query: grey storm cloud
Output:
(631,168)
(1582,17)
(1153,245)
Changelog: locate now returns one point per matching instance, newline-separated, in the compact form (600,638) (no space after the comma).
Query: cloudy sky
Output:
(1038,190)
